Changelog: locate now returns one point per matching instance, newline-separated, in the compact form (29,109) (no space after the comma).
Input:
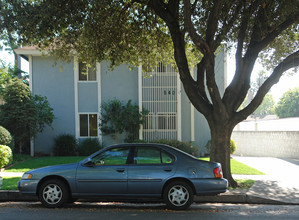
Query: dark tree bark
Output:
(222,112)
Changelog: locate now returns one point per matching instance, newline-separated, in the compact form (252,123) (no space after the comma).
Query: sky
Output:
(9,59)
(286,82)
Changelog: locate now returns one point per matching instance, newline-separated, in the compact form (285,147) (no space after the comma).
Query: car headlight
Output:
(27,176)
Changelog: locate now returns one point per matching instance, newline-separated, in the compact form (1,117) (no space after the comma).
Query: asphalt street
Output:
(129,211)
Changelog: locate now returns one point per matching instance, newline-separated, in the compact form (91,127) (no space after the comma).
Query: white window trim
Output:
(179,110)
(31,89)
(76,97)
(76,80)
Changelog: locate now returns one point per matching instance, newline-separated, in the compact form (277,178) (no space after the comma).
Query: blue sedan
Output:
(127,171)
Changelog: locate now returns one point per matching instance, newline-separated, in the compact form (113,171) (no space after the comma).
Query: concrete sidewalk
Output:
(279,186)
(281,182)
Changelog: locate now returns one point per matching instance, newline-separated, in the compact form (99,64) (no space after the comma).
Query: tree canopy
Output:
(288,105)
(186,32)
(23,114)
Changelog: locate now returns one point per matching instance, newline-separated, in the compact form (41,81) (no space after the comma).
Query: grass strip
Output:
(10,183)
(240,168)
(42,162)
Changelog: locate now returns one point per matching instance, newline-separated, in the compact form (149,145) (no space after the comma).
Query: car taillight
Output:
(218,172)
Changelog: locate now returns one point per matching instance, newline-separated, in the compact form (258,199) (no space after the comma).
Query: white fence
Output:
(269,138)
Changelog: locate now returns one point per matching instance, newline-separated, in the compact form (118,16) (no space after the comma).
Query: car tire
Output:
(178,195)
(53,193)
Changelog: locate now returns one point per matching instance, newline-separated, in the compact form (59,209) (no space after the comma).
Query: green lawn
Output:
(10,183)
(42,162)
(240,168)
(244,184)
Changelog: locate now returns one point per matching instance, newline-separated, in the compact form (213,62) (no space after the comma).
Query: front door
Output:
(108,176)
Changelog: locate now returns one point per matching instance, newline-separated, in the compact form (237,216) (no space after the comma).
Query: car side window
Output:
(114,156)
(166,157)
(151,155)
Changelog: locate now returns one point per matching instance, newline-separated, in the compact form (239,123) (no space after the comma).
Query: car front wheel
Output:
(53,193)
(178,195)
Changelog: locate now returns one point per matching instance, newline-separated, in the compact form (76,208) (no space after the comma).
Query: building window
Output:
(87,73)
(88,125)
(166,121)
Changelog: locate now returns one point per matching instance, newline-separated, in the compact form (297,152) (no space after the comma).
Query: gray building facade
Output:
(76,97)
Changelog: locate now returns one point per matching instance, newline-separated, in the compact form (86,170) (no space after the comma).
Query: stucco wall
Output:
(57,84)
(120,83)
(283,144)
(88,97)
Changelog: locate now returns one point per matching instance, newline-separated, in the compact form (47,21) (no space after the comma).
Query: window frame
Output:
(88,124)
(88,70)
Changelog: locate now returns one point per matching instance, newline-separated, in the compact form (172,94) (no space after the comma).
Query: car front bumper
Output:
(28,186)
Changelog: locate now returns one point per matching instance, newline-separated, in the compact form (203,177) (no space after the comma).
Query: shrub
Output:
(89,146)
(184,146)
(288,105)
(140,141)
(65,145)
(232,146)
(5,155)
(118,117)
(6,138)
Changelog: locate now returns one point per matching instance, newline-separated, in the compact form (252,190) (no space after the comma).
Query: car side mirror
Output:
(89,163)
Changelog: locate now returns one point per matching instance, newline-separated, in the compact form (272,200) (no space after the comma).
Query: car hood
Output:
(60,170)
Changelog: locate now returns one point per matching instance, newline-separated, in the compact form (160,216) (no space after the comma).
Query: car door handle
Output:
(120,170)
(168,169)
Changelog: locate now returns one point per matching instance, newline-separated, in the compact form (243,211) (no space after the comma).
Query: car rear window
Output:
(152,155)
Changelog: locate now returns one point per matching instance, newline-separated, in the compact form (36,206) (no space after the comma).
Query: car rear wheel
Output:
(178,195)
(53,193)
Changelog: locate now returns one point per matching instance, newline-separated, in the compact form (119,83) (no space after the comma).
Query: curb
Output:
(16,196)
(241,198)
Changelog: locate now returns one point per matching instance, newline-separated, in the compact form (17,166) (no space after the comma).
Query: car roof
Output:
(162,146)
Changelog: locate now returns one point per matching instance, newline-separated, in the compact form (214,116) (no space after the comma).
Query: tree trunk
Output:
(20,147)
(220,149)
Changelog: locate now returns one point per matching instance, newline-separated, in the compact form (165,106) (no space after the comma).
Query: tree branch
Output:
(212,23)
(200,78)
(236,92)
(290,62)
(277,31)
(198,41)
(228,24)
